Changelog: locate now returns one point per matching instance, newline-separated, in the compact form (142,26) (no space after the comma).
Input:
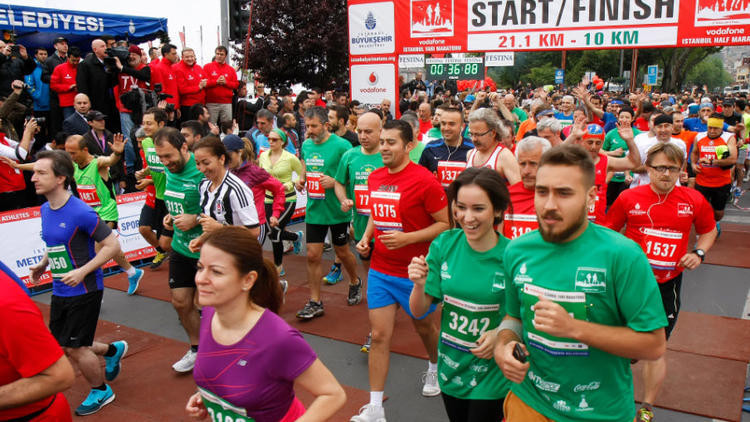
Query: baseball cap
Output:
(693,108)
(469,99)
(594,131)
(95,115)
(728,102)
(59,39)
(233,142)
(663,118)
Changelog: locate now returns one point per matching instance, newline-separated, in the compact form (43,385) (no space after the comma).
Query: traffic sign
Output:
(652,74)
(559,76)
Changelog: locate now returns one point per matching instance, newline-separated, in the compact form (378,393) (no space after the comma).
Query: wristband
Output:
(512,325)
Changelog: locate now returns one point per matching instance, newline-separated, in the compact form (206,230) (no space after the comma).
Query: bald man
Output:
(76,123)
(94,80)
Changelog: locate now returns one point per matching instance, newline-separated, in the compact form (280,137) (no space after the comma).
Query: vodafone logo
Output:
(373,79)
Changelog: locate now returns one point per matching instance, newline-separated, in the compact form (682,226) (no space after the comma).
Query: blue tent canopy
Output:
(37,27)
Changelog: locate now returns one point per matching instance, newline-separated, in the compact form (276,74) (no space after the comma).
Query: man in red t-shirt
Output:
(222,81)
(659,217)
(408,209)
(33,369)
(521,216)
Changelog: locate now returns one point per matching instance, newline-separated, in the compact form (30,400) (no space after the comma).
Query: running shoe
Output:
(644,415)
(297,244)
(134,281)
(369,413)
(718,229)
(159,259)
(288,246)
(95,401)
(112,369)
(355,293)
(311,310)
(431,388)
(334,275)
(281,270)
(327,247)
(187,362)
(368,342)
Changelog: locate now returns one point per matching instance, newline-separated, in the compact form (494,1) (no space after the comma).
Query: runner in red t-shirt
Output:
(659,217)
(591,138)
(521,217)
(408,209)
(33,369)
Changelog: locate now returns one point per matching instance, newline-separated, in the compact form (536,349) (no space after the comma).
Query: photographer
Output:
(95,78)
(15,63)
(12,182)
(133,74)
(11,111)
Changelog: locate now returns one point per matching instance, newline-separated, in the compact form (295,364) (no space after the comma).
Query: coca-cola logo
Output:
(593,385)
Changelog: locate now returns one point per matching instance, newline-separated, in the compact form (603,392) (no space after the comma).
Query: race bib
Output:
(89,195)
(708,152)
(362,199)
(153,161)
(220,410)
(573,302)
(314,189)
(464,322)
(386,213)
(59,261)
(174,202)
(518,224)
(664,249)
(447,171)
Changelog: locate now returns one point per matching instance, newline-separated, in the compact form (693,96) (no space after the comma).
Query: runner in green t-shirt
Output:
(150,222)
(583,301)
(182,200)
(615,146)
(464,270)
(322,153)
(92,177)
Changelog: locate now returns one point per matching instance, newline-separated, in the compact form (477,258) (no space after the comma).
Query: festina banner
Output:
(446,26)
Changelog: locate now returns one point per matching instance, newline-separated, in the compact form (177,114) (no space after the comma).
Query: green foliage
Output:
(710,72)
(542,75)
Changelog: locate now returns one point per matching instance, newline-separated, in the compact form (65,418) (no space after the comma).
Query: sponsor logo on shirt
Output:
(636,210)
(561,405)
(684,209)
(593,385)
(521,277)
(448,361)
(583,406)
(457,380)
(498,282)
(542,384)
(478,368)
(444,274)
(591,280)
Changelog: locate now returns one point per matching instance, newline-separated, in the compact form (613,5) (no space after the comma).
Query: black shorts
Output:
(72,320)
(316,233)
(670,298)
(154,217)
(717,197)
(182,271)
(690,171)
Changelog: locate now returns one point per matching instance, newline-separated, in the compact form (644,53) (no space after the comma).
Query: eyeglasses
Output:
(477,135)
(664,169)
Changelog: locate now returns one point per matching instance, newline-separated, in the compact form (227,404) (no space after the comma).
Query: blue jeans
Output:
(126,124)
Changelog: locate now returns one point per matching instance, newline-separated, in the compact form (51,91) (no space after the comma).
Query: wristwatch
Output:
(701,254)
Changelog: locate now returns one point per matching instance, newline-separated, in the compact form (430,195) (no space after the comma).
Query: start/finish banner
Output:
(445,26)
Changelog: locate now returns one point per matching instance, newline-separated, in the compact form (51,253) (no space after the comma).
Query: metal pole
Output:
(634,70)
(622,58)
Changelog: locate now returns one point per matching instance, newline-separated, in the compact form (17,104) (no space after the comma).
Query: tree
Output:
(296,41)
(542,75)
(710,72)
(676,62)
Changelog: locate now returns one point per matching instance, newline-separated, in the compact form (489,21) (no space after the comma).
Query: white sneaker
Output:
(187,362)
(431,387)
(369,413)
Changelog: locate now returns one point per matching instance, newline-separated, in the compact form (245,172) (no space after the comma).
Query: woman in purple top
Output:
(249,358)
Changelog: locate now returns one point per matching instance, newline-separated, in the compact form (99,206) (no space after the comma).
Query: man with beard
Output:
(486,132)
(338,115)
(577,312)
(521,218)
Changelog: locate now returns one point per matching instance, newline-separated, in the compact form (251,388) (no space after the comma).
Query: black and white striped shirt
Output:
(231,203)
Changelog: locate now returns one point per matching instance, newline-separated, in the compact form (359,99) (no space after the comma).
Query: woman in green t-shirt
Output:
(464,270)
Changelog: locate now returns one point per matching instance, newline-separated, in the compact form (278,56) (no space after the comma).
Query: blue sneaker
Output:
(298,243)
(134,281)
(718,230)
(112,369)
(334,276)
(282,271)
(95,401)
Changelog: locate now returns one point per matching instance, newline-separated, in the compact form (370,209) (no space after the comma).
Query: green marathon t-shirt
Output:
(94,192)
(182,197)
(601,277)
(431,135)
(323,159)
(471,286)
(416,152)
(612,141)
(155,167)
(353,171)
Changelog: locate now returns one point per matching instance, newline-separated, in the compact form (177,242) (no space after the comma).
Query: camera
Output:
(39,120)
(15,49)
(121,53)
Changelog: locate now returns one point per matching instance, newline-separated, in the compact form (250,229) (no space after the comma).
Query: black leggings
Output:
(278,234)
(467,410)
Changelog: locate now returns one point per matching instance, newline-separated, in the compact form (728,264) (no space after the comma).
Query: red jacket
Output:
(164,74)
(188,80)
(124,84)
(62,78)
(11,180)
(221,94)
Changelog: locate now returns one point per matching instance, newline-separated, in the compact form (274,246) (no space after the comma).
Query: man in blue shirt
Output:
(39,90)
(69,229)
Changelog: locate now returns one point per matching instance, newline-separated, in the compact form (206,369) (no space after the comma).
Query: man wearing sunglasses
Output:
(658,217)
